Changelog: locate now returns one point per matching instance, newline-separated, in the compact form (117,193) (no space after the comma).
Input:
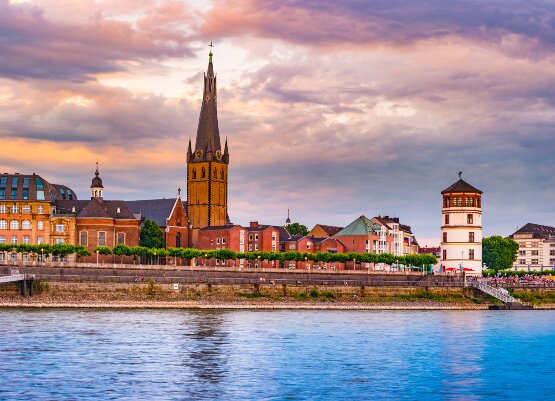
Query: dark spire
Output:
(288,220)
(226,152)
(208,134)
(96,181)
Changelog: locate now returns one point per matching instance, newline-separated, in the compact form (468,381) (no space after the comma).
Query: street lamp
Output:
(155,261)
(259,261)
(96,258)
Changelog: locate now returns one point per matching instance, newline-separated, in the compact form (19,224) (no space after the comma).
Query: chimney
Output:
(254,224)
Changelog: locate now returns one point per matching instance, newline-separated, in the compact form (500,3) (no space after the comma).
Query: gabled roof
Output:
(382,221)
(461,186)
(157,210)
(361,226)
(330,230)
(537,230)
(283,233)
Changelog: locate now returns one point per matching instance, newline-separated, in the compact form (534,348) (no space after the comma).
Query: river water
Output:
(276,355)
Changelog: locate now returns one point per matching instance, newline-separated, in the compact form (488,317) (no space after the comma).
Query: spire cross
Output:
(211,45)
(178,191)
(460,174)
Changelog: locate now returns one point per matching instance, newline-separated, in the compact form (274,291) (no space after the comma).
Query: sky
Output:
(331,109)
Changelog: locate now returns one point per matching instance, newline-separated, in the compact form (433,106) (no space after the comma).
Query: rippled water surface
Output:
(281,355)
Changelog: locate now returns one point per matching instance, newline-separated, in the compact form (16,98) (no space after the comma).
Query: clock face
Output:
(218,154)
(198,153)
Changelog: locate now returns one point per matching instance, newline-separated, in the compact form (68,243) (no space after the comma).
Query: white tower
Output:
(97,190)
(461,229)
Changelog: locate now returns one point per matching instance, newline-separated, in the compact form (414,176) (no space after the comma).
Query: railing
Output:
(499,293)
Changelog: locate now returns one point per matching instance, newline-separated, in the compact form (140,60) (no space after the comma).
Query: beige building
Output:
(536,247)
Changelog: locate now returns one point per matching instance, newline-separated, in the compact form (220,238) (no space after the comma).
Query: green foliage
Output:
(152,236)
(499,253)
(297,229)
(314,293)
(103,250)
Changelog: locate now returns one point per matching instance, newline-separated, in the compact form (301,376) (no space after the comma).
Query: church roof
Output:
(157,210)
(95,208)
(461,186)
(361,226)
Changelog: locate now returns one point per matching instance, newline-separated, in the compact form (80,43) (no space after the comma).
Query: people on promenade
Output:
(527,280)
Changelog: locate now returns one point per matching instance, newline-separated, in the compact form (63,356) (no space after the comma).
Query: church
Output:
(207,180)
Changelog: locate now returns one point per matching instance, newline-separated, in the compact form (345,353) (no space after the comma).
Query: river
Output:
(79,354)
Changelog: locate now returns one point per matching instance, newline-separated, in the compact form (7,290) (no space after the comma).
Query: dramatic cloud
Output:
(331,109)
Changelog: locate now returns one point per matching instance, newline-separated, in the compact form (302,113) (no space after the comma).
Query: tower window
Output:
(470,219)
(444,237)
(203,173)
(446,219)
(470,237)
(471,254)
(445,254)
(194,174)
(222,173)
(215,173)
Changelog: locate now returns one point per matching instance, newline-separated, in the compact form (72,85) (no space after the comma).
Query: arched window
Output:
(26,225)
(203,172)
(178,240)
(222,173)
(194,174)
(215,173)
(14,225)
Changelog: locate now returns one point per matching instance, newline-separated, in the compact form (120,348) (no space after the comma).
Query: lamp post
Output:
(259,261)
(96,258)
(42,255)
(155,261)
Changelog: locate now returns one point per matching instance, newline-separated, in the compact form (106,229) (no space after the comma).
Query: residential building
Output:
(403,241)
(536,247)
(363,236)
(461,228)
(436,251)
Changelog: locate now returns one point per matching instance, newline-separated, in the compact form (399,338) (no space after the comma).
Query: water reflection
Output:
(203,351)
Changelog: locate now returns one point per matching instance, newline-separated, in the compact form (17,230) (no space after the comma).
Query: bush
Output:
(314,293)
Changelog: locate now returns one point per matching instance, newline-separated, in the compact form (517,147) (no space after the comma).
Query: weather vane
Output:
(460,174)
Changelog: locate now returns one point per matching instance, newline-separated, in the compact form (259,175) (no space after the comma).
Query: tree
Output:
(499,253)
(297,229)
(152,236)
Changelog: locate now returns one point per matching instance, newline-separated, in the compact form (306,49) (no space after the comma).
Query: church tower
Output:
(97,189)
(207,164)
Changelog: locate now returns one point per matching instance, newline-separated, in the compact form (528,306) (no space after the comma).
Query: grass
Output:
(419,296)
(537,297)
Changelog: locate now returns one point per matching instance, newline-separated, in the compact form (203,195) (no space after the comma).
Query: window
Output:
(194,174)
(26,225)
(444,237)
(60,228)
(458,201)
(39,183)
(63,193)
(14,225)
(2,208)
(256,247)
(14,194)
(447,202)
(552,252)
(470,219)
(535,253)
(308,245)
(15,208)
(101,238)
(26,239)
(26,209)
(69,194)
(217,241)
(60,241)
(2,240)
(291,246)
(121,238)
(40,225)
(471,254)
(83,238)
(178,240)
(256,237)
(534,261)
(2,193)
(25,193)
(3,224)
(223,240)
(14,239)
(522,261)
(446,219)
(445,254)
(222,173)
(250,237)
(250,247)
(522,253)
(1,256)
(203,173)
(40,240)
(470,237)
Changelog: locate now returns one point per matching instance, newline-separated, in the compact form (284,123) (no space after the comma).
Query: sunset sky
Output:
(331,108)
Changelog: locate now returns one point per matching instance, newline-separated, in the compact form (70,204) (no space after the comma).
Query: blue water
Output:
(277,355)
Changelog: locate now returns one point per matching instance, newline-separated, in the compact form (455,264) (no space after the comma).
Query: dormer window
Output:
(118,210)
